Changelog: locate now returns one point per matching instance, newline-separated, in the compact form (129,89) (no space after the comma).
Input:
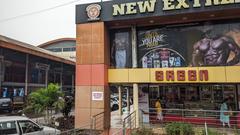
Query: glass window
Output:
(28,126)
(69,49)
(73,49)
(37,76)
(178,46)
(55,49)
(8,127)
(15,72)
(121,49)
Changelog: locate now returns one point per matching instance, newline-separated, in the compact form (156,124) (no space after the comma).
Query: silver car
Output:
(18,125)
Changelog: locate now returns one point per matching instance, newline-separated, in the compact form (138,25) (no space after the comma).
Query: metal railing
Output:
(129,123)
(98,121)
(196,117)
(94,127)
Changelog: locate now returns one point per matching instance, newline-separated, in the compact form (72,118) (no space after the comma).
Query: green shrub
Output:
(211,132)
(142,131)
(179,128)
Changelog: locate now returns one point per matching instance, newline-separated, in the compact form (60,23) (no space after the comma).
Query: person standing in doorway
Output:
(224,114)
(158,110)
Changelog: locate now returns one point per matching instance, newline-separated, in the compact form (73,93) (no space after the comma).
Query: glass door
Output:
(153,95)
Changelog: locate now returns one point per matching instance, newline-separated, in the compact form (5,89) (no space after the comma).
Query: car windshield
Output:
(8,127)
(28,126)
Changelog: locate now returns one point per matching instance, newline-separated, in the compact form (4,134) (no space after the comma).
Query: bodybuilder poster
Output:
(205,44)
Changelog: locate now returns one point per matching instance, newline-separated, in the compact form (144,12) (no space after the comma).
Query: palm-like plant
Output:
(45,100)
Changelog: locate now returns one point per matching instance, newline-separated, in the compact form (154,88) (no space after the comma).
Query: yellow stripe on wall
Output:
(223,74)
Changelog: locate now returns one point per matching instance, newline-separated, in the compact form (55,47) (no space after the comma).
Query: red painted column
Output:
(91,73)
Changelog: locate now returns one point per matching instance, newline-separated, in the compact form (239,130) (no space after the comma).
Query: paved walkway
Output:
(41,120)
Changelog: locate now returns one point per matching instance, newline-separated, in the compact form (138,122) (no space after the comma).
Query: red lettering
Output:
(192,75)
(203,75)
(159,75)
(181,75)
(170,75)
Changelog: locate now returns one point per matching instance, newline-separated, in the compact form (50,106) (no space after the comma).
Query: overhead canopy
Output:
(9,43)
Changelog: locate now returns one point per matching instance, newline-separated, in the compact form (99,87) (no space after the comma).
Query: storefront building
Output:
(64,47)
(26,68)
(187,52)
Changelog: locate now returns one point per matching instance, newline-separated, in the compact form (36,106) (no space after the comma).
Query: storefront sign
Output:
(132,7)
(120,9)
(182,75)
(97,96)
(149,6)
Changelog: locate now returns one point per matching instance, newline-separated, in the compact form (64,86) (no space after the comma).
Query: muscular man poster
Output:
(202,44)
(215,50)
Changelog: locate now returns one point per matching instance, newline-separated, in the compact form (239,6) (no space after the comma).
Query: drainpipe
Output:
(46,77)
(26,74)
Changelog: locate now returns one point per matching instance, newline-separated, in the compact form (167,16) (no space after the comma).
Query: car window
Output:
(8,127)
(28,126)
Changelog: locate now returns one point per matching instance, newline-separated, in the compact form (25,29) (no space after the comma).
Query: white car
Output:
(18,125)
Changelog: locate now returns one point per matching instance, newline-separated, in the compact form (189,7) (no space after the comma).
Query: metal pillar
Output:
(61,81)
(72,83)
(128,101)
(46,78)
(135,103)
(134,47)
(1,72)
(134,65)
(61,78)
(120,100)
(26,74)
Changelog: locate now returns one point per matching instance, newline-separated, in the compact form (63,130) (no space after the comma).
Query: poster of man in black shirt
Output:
(120,50)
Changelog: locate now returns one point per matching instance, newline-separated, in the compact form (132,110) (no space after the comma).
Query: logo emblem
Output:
(93,12)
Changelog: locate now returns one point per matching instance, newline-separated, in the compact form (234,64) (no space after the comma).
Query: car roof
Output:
(12,118)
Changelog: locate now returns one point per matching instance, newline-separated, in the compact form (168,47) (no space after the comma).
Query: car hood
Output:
(51,131)
(5,100)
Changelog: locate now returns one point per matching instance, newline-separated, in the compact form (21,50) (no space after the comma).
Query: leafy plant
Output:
(142,131)
(211,132)
(45,100)
(179,128)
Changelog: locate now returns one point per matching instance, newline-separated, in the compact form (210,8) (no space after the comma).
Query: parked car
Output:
(6,104)
(18,125)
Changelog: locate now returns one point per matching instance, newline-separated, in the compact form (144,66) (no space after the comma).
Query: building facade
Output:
(64,47)
(25,68)
(185,52)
